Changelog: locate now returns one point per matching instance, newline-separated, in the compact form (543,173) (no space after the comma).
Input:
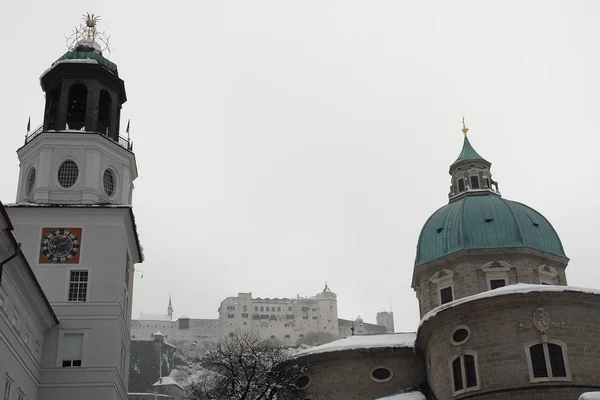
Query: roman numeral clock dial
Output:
(60,245)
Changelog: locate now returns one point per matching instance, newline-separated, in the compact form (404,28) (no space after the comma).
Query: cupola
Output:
(470,173)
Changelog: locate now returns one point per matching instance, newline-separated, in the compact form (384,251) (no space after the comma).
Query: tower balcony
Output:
(124,142)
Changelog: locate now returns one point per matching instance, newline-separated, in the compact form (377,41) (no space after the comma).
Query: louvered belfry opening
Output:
(76,106)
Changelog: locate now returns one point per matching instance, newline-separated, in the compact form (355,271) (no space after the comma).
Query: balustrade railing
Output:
(124,142)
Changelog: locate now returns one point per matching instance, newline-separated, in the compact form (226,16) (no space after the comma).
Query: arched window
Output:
(547,361)
(76,106)
(104,112)
(464,373)
(52,109)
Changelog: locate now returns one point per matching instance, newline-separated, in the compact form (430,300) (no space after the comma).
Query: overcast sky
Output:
(282,144)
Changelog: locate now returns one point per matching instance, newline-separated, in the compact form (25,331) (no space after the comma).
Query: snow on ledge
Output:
(404,396)
(357,342)
(519,288)
(69,61)
(167,381)
(590,396)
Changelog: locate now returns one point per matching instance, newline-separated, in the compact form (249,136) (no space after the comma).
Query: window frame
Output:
(496,270)
(88,284)
(442,280)
(60,348)
(549,378)
(547,274)
(465,389)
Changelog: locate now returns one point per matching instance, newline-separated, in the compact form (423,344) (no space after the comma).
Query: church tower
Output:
(74,220)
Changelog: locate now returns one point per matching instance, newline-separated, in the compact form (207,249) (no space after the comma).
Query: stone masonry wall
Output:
(346,375)
(499,342)
(470,279)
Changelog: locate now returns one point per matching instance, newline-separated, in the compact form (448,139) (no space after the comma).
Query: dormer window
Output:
(461,185)
(474,182)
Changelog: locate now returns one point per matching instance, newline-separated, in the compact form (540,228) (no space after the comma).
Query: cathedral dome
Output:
(485,221)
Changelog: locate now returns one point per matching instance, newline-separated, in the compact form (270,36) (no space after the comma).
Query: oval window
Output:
(381,374)
(67,174)
(303,382)
(30,182)
(460,335)
(108,182)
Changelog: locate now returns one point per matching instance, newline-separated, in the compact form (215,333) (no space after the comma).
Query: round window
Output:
(108,182)
(381,374)
(303,382)
(460,335)
(67,174)
(30,182)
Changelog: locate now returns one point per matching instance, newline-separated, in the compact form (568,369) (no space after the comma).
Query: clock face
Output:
(60,245)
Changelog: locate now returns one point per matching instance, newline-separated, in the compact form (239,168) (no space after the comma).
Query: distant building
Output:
(386,319)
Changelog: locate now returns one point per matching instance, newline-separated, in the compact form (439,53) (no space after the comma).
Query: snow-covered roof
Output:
(155,317)
(404,396)
(167,381)
(183,316)
(357,342)
(69,61)
(590,396)
(519,288)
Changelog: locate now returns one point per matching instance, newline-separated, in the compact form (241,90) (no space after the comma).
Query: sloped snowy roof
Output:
(167,381)
(155,317)
(404,396)
(357,342)
(519,288)
(590,396)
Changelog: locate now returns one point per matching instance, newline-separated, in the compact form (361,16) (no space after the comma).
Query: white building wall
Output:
(104,319)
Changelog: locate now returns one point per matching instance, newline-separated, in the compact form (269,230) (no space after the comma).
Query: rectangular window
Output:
(245,308)
(289,308)
(244,315)
(71,349)
(290,316)
(279,309)
(470,371)
(538,361)
(264,316)
(229,308)
(314,317)
(461,185)
(446,295)
(557,362)
(255,308)
(305,309)
(262,309)
(78,285)
(267,308)
(474,182)
(305,317)
(230,315)
(457,374)
(496,283)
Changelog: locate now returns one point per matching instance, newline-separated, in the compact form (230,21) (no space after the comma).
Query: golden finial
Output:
(90,21)
(464,128)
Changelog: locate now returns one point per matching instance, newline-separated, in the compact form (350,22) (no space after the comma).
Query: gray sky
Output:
(282,144)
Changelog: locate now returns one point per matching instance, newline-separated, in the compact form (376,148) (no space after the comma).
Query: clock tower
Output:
(74,220)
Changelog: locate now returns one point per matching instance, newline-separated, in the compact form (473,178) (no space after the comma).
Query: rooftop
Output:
(358,342)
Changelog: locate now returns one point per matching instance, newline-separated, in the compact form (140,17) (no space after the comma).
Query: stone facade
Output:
(346,375)
(469,271)
(500,329)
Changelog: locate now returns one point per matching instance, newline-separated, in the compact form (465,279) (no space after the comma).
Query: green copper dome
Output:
(485,221)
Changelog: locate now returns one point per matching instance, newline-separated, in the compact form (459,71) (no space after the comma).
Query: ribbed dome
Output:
(485,221)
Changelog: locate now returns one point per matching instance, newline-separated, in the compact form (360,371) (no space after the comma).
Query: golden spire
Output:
(464,128)
(90,21)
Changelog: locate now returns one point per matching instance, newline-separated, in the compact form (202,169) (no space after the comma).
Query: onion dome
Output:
(477,217)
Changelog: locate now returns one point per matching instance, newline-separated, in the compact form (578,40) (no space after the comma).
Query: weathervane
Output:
(464,128)
(87,33)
